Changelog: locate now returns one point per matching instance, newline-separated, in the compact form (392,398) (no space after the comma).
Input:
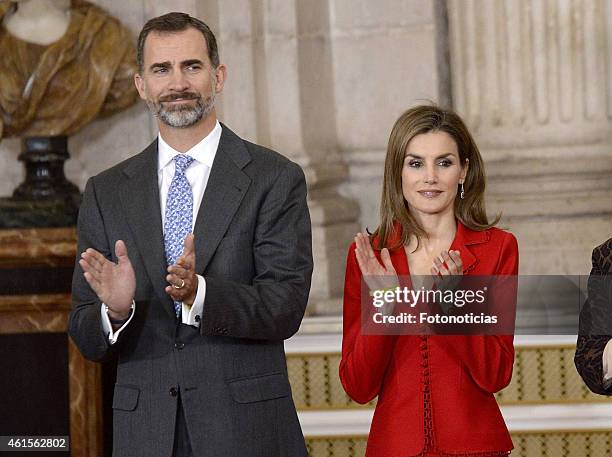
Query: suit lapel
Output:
(140,200)
(227,185)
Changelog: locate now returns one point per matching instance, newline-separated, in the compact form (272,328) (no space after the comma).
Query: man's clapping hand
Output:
(181,276)
(113,283)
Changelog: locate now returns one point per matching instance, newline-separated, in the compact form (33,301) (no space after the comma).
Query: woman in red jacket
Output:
(435,393)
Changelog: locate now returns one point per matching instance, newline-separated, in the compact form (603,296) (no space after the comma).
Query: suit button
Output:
(179,345)
(173,391)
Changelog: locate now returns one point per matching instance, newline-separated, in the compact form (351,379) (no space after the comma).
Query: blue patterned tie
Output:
(179,214)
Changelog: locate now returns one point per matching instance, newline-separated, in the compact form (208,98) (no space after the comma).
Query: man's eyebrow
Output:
(187,63)
(165,64)
(168,64)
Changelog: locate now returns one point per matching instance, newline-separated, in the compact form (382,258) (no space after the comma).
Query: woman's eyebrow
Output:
(416,156)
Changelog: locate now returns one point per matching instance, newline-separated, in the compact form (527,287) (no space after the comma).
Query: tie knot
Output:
(182,162)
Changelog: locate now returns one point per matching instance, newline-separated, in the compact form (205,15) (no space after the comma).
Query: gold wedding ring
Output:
(181,286)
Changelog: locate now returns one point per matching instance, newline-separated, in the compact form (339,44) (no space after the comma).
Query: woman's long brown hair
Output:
(470,211)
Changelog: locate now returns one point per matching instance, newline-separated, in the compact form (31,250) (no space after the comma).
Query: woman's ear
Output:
(464,170)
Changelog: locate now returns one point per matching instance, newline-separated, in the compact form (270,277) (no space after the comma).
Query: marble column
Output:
(533,80)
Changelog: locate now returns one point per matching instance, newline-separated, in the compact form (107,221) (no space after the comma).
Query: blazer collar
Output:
(230,143)
(227,185)
(145,162)
(203,152)
(464,239)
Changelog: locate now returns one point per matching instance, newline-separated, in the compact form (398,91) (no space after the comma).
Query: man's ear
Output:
(220,76)
(140,85)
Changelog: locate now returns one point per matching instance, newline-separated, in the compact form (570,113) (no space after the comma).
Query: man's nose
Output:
(178,81)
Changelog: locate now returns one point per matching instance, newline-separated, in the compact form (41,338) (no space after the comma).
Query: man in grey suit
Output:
(195,264)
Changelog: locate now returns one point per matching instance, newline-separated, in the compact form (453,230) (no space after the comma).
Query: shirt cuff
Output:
(108,328)
(607,362)
(192,315)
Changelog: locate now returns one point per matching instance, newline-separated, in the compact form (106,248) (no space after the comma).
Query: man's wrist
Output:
(189,300)
(117,318)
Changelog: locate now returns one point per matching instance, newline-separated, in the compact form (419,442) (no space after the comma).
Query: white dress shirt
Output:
(197,175)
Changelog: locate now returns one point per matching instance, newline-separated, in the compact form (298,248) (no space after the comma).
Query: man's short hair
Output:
(177,22)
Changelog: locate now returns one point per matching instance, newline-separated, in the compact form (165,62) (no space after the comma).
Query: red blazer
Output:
(459,373)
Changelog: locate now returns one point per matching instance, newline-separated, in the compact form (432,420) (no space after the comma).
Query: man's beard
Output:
(182,115)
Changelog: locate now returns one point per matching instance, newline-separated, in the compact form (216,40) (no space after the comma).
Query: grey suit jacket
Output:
(253,246)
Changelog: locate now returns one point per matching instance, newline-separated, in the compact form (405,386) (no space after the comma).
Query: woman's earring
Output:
(462,195)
